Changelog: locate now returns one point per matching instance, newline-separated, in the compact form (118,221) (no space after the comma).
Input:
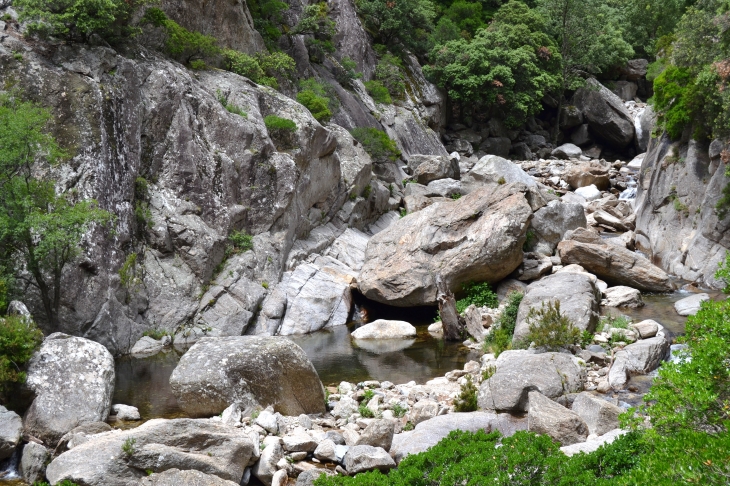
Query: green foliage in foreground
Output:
(500,338)
(479,294)
(377,144)
(19,338)
(523,459)
(694,392)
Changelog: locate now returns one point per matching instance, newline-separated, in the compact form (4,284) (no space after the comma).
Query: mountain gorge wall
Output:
(151,141)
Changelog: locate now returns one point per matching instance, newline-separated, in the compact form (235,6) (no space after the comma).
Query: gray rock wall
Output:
(676,221)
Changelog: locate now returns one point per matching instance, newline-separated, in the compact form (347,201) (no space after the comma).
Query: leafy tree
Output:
(445,30)
(589,40)
(399,23)
(267,19)
(268,69)
(646,21)
(40,231)
(467,16)
(78,19)
(505,70)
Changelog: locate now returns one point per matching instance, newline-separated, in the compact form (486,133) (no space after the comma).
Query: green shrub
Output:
(378,92)
(241,241)
(524,459)
(181,43)
(619,321)
(377,144)
(19,339)
(319,98)
(156,333)
(389,71)
(78,19)
(399,23)
(479,294)
(467,399)
(346,72)
(500,338)
(128,273)
(267,19)
(276,124)
(364,411)
(671,100)
(230,107)
(399,410)
(551,329)
(263,68)
(128,447)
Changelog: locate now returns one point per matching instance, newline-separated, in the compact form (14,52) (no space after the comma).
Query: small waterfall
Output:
(630,193)
(10,467)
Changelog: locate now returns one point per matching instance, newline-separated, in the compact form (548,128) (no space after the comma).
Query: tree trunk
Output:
(453,324)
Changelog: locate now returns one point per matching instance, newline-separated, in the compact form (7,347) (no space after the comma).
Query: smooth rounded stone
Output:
(253,371)
(589,193)
(553,221)
(577,294)
(493,169)
(73,381)
(365,458)
(423,410)
(266,467)
(204,445)
(689,306)
(588,174)
(436,327)
(18,308)
(267,421)
(552,374)
(125,412)
(345,407)
(307,478)
(147,346)
(599,415)
(434,167)
(280,478)
(325,451)
(11,429)
(567,151)
(378,434)
(622,296)
(606,114)
(477,238)
(638,358)
(344,388)
(427,434)
(176,477)
(335,437)
(544,416)
(616,265)
(508,286)
(33,462)
(443,188)
(299,441)
(385,329)
(592,444)
(647,328)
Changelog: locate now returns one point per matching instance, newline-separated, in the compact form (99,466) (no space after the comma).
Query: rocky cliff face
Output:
(677,223)
(152,142)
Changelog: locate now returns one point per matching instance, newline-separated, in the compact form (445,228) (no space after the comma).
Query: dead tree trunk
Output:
(452,323)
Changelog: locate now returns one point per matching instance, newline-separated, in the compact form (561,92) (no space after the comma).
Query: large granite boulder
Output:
(492,169)
(427,434)
(638,358)
(253,371)
(691,305)
(586,174)
(176,477)
(622,296)
(519,372)
(553,221)
(362,458)
(427,168)
(11,429)
(544,416)
(118,458)
(599,415)
(33,462)
(73,381)
(578,296)
(615,265)
(477,238)
(605,113)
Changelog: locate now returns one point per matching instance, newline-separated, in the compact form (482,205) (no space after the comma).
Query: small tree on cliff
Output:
(40,231)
